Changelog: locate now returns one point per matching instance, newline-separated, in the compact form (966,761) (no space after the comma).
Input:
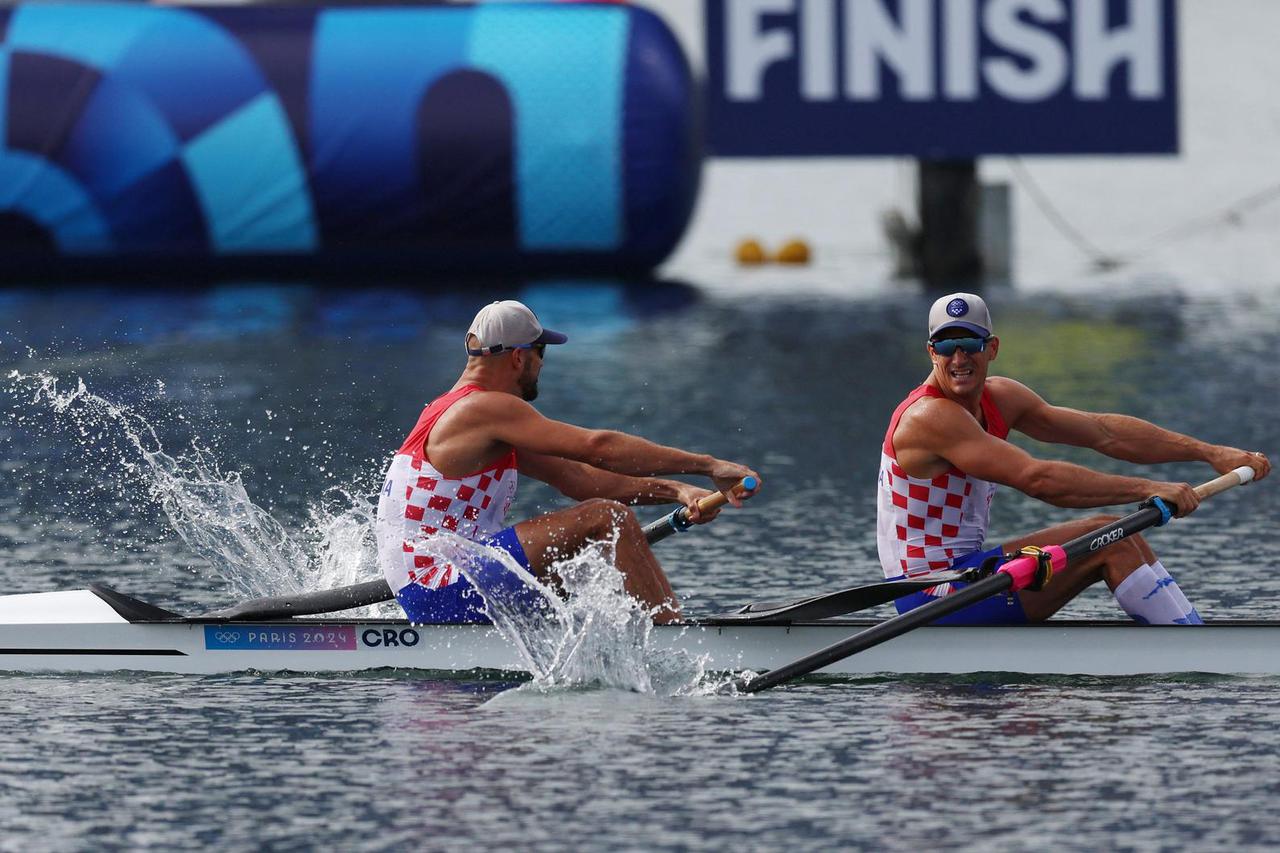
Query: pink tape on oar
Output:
(1023,569)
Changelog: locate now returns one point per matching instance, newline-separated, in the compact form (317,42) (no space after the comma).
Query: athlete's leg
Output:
(1130,559)
(562,534)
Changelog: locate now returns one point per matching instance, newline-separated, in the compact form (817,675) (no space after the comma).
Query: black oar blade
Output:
(840,603)
(305,604)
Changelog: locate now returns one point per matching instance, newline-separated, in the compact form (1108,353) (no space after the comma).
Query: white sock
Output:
(1193,618)
(1151,596)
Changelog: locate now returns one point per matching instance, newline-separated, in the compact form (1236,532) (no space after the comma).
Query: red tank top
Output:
(417,501)
(922,525)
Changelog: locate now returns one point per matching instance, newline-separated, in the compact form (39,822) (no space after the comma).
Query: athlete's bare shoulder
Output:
(932,415)
(1012,398)
(924,432)
(926,426)
(476,409)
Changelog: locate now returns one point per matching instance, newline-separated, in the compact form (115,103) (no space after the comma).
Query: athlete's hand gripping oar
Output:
(678,521)
(1029,571)
(377,591)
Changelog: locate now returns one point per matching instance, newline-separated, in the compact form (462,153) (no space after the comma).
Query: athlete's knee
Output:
(605,516)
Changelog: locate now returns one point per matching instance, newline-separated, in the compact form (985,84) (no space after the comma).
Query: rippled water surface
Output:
(302,392)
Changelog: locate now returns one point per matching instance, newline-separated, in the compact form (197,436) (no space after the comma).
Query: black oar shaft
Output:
(881,633)
(897,626)
(1100,538)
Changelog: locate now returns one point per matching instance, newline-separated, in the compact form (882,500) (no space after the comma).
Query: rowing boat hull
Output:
(311,646)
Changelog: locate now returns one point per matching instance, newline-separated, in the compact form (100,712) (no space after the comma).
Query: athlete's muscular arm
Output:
(942,430)
(1118,436)
(580,481)
(473,429)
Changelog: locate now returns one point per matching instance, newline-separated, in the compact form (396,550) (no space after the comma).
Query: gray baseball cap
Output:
(508,325)
(960,310)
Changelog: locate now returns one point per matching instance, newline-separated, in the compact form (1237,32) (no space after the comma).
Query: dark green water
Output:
(305,391)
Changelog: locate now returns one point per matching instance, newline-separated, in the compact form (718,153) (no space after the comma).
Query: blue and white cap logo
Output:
(957,307)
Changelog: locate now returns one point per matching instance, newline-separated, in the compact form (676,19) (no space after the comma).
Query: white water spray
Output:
(211,510)
(597,635)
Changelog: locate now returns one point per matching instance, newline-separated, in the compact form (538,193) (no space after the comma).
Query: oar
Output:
(1014,575)
(377,591)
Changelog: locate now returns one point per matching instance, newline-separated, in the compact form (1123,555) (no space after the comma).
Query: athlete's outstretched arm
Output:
(580,481)
(510,420)
(1120,436)
(945,430)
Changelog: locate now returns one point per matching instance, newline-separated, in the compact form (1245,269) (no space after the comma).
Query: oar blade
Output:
(305,604)
(839,603)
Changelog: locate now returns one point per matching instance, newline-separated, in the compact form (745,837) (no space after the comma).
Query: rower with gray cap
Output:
(945,453)
(457,472)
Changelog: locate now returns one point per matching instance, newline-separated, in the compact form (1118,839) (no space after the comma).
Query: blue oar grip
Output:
(679,520)
(1165,512)
(750,483)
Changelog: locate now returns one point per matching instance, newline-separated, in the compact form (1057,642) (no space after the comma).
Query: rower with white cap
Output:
(457,472)
(945,452)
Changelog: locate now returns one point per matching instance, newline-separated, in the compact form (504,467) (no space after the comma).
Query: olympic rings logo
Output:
(227,636)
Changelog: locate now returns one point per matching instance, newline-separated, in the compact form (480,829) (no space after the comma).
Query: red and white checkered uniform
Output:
(417,500)
(921,525)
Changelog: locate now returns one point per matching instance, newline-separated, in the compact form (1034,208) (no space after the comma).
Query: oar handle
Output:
(1229,480)
(1023,570)
(677,521)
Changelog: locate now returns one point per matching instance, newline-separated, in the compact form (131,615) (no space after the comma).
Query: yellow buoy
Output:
(793,252)
(751,252)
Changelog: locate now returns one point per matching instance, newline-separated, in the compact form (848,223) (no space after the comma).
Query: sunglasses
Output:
(540,349)
(948,346)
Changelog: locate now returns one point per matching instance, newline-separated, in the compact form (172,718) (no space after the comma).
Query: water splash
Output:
(340,541)
(596,636)
(210,509)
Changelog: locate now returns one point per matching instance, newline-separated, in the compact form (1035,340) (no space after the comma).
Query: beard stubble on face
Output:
(528,383)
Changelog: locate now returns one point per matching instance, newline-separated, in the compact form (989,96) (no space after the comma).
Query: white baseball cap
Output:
(960,310)
(508,325)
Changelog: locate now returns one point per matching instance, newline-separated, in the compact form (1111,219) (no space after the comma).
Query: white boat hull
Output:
(306,645)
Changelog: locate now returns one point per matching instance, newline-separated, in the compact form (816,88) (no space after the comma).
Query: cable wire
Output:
(1231,214)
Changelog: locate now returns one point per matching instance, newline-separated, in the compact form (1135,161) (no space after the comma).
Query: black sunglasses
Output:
(540,349)
(948,346)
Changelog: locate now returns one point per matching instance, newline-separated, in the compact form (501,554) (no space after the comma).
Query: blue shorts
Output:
(459,603)
(996,610)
